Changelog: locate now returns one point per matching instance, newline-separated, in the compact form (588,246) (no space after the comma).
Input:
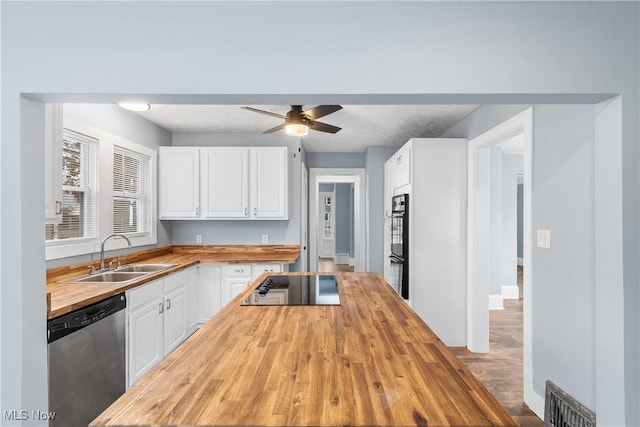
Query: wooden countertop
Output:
(66,297)
(369,361)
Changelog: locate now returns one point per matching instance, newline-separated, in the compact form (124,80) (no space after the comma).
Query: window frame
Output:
(104,190)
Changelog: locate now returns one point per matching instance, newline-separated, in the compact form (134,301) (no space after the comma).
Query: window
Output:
(108,185)
(79,200)
(131,205)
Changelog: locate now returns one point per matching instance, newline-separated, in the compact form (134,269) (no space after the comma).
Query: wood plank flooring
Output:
(500,370)
(327,264)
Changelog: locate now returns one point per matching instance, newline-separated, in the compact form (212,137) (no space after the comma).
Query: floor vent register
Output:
(562,410)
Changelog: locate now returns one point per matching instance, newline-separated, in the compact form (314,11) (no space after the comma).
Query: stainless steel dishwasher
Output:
(86,361)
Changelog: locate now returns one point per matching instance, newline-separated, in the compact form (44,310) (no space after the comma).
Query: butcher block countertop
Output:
(66,297)
(369,361)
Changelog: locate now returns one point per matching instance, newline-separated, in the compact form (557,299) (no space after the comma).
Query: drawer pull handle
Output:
(160,308)
(168,304)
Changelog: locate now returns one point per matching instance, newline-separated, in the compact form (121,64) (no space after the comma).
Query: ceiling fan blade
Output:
(275,129)
(323,127)
(321,111)
(268,113)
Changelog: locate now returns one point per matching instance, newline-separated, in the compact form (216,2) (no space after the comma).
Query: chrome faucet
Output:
(102,247)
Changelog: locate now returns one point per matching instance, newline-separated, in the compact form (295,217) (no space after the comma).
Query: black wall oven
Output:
(400,244)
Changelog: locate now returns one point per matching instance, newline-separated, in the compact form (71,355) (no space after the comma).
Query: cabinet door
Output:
(269,184)
(238,285)
(53,163)
(193,293)
(225,182)
(209,284)
(179,185)
(401,166)
(175,318)
(145,338)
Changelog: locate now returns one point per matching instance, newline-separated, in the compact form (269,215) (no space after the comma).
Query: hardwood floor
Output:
(500,370)
(327,264)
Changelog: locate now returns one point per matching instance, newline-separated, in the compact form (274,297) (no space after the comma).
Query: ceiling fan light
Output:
(134,106)
(296,129)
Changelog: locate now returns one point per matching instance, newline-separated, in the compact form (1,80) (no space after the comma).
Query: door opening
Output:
(336,220)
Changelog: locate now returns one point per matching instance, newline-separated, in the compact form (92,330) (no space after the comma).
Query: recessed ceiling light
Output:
(134,106)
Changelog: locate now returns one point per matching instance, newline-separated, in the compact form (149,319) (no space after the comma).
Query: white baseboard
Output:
(510,292)
(495,302)
(535,402)
(520,262)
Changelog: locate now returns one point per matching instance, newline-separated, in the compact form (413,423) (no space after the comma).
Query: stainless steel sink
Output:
(144,268)
(127,273)
(109,277)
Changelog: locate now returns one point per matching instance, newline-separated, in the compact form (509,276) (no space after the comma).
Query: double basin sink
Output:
(127,273)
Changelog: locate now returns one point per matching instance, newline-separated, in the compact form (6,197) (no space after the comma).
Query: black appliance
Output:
(86,361)
(295,290)
(400,244)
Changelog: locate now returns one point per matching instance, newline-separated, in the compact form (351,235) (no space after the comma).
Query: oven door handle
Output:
(396,259)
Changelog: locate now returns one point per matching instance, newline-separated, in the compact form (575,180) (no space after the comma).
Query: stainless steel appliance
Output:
(296,290)
(86,361)
(400,244)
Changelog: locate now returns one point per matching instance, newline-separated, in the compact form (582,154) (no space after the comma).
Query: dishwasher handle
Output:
(66,324)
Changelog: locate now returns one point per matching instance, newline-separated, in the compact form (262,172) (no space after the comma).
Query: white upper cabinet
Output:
(269,183)
(179,183)
(224,183)
(53,163)
(225,178)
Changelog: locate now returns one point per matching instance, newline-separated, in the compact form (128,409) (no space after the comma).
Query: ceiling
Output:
(362,125)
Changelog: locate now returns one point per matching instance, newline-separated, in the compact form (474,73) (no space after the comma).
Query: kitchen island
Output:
(368,361)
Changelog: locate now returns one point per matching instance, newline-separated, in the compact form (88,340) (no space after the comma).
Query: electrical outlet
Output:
(265,238)
(198,238)
(544,239)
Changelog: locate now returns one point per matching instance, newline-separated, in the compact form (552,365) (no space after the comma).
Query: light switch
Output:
(544,239)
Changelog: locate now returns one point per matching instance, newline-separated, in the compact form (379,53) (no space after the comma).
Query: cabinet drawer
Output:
(141,295)
(237,270)
(174,280)
(258,269)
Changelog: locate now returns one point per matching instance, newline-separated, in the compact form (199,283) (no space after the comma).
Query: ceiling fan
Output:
(298,122)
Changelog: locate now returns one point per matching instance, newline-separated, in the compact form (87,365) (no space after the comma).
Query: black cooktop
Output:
(295,290)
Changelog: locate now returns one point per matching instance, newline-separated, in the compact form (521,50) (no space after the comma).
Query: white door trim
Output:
(338,175)
(477,290)
(304,219)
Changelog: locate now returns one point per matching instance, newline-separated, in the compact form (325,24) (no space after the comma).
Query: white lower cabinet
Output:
(209,286)
(236,279)
(220,283)
(157,321)
(193,298)
(145,329)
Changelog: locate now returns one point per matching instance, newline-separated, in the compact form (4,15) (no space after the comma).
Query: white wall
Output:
(563,302)
(223,52)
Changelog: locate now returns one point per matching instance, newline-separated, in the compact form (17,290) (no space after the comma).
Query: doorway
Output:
(336,220)
(479,243)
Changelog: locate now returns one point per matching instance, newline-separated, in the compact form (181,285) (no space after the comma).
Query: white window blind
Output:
(79,201)
(131,202)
